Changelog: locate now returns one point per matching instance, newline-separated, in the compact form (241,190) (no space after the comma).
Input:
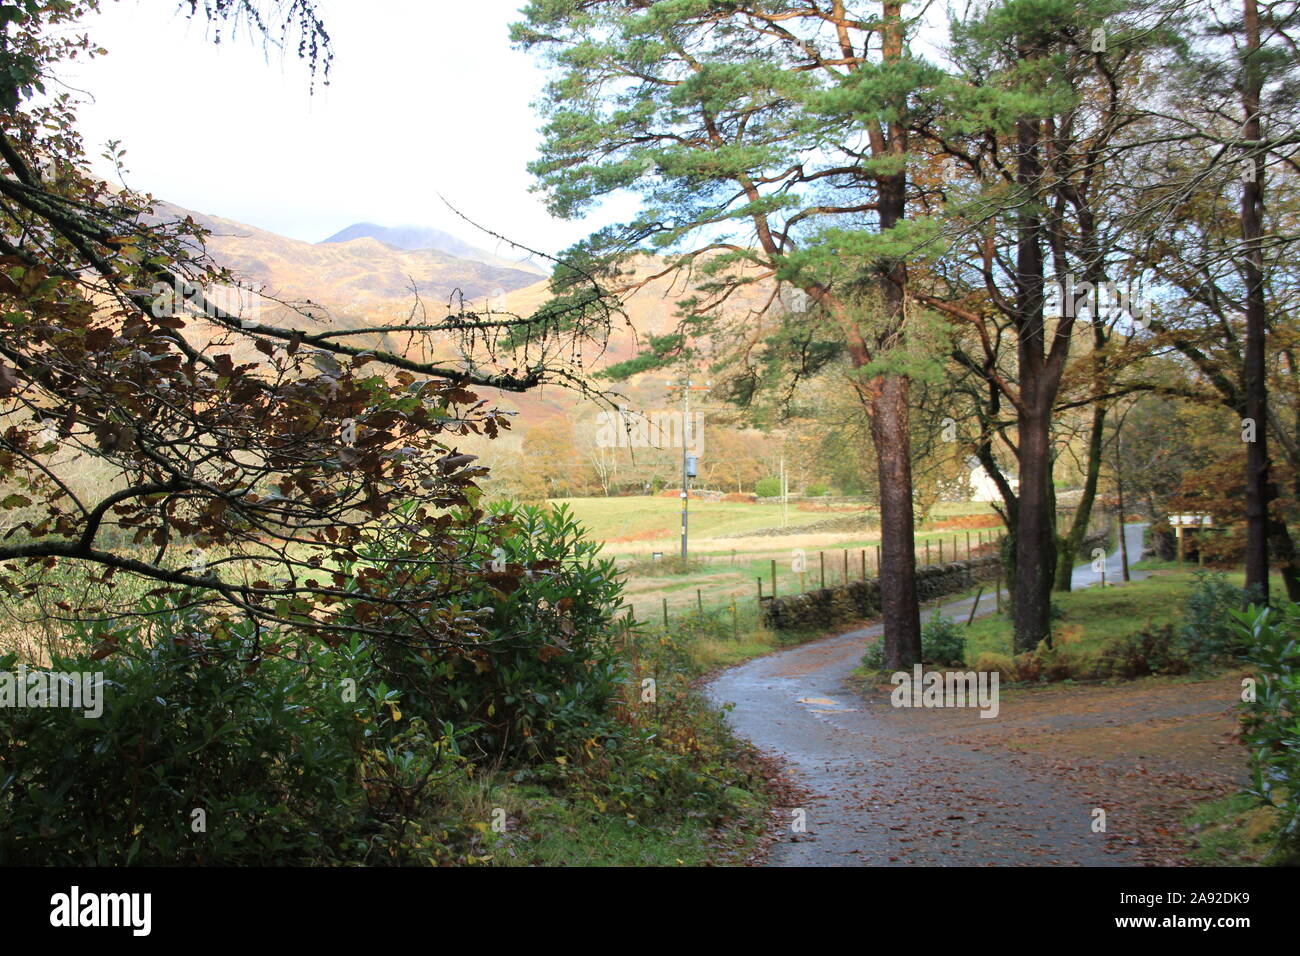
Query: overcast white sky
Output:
(425,97)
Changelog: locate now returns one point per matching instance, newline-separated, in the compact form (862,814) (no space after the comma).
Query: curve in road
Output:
(883,790)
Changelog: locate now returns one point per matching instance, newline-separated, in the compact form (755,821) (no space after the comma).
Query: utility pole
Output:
(785,493)
(687,386)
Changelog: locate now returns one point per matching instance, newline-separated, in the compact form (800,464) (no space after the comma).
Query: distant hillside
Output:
(418,238)
(354,276)
(367,280)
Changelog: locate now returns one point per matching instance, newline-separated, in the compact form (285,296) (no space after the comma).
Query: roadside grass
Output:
(555,832)
(1235,831)
(1089,619)
(1085,622)
(704,641)
(1093,617)
(566,823)
(527,824)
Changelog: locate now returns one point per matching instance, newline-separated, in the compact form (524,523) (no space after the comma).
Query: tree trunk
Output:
(1035,544)
(899,606)
(889,415)
(1035,532)
(1073,539)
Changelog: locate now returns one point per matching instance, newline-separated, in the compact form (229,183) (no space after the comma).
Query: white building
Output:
(982,485)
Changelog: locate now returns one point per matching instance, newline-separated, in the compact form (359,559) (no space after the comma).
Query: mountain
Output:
(419,238)
(365,280)
(355,276)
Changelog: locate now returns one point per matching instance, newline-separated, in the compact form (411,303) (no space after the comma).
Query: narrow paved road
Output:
(885,790)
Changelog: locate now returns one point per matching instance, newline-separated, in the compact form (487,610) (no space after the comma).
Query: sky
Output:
(426,97)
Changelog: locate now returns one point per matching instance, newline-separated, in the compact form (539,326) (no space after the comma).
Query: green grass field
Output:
(659,519)
(727,569)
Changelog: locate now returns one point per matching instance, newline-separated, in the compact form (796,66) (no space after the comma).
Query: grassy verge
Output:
(1089,621)
(557,817)
(1092,618)
(1234,831)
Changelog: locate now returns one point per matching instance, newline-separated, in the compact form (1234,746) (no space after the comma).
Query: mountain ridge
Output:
(358,275)
(421,238)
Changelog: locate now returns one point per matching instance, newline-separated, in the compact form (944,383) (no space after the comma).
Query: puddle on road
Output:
(835,707)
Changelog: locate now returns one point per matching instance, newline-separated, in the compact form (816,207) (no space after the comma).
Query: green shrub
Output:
(816,491)
(1060,662)
(942,641)
(1210,633)
(362,753)
(1152,650)
(204,756)
(768,487)
(874,658)
(544,670)
(1271,723)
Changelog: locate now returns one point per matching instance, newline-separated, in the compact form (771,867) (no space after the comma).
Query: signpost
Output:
(1179,522)
(689,462)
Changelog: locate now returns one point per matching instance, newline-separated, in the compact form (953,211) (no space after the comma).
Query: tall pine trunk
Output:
(899,606)
(1035,536)
(888,409)
(1035,533)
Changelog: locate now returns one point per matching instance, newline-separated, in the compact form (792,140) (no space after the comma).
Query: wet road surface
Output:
(884,787)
